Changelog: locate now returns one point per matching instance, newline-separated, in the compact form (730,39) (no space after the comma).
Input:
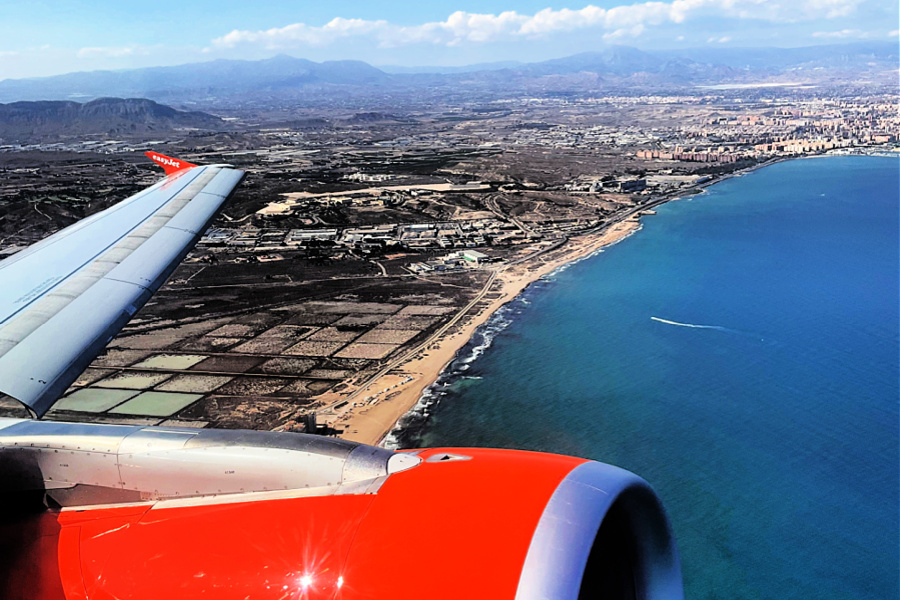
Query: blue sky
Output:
(46,38)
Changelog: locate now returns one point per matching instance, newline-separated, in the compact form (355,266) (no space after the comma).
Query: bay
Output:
(740,352)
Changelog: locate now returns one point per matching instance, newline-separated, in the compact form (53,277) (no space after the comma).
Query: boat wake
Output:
(691,325)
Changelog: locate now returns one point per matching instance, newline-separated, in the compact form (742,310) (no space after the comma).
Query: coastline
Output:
(790,398)
(399,389)
(373,423)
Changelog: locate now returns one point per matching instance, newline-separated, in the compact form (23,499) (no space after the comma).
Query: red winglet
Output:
(170,165)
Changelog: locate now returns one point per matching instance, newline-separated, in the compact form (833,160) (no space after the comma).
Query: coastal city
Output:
(433,300)
(363,249)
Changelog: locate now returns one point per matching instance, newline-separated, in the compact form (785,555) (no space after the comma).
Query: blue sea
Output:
(740,352)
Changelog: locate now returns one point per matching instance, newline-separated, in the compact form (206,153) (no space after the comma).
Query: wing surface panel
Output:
(29,274)
(224,182)
(202,209)
(64,299)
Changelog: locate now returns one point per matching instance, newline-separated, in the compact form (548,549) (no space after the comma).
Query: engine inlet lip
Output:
(568,528)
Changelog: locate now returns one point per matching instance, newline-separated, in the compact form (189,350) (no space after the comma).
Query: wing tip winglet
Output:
(170,165)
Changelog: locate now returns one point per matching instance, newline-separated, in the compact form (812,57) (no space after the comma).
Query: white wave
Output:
(691,325)
(552,274)
(480,341)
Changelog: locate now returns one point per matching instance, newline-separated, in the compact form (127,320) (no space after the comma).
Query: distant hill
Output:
(862,55)
(197,80)
(491,66)
(623,66)
(617,60)
(722,65)
(34,121)
(285,77)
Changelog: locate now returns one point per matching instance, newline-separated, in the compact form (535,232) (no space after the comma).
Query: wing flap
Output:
(197,216)
(155,259)
(64,299)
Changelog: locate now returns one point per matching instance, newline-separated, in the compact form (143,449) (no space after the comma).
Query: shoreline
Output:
(480,340)
(373,423)
(411,379)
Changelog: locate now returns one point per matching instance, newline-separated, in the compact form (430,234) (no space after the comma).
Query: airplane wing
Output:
(75,290)
(98,512)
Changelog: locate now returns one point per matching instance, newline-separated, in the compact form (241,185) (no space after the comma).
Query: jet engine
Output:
(107,511)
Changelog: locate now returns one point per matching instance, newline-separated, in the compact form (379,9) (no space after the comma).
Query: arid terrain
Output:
(364,248)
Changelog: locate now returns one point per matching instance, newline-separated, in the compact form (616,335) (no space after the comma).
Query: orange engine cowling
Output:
(463,523)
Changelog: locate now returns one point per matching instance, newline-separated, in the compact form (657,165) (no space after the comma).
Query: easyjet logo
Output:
(167,161)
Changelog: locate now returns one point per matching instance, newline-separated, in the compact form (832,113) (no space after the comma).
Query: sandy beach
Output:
(381,403)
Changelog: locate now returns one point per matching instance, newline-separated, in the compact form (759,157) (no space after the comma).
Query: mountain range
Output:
(616,66)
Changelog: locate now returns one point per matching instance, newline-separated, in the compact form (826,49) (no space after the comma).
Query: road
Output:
(434,337)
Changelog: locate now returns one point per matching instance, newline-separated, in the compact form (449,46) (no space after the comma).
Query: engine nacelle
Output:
(436,524)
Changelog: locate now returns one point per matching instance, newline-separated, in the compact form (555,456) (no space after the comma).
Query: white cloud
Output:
(105,52)
(719,40)
(624,33)
(304,34)
(833,8)
(464,27)
(894,33)
(549,20)
(850,33)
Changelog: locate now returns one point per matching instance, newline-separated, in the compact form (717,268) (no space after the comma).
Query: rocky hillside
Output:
(41,121)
